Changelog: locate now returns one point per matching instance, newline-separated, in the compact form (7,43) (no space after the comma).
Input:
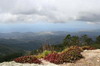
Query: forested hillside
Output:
(55,42)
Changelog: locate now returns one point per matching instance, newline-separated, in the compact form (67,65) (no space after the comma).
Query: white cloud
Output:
(7,17)
(49,10)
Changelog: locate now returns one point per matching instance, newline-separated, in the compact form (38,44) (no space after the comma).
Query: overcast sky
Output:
(49,15)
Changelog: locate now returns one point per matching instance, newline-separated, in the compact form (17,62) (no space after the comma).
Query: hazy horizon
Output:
(39,27)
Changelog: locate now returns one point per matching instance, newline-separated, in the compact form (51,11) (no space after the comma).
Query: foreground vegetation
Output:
(68,51)
(70,54)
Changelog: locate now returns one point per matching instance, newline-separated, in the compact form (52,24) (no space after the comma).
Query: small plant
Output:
(64,50)
(87,48)
(27,59)
(42,55)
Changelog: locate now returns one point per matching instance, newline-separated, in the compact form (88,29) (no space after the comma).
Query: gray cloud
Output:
(89,17)
(49,10)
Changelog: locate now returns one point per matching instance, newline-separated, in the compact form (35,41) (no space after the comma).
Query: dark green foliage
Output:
(97,46)
(71,40)
(6,49)
(10,57)
(75,40)
(85,40)
(1,58)
(67,40)
(79,41)
(98,40)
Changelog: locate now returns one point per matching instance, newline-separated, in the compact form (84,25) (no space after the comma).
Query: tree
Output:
(98,39)
(85,40)
(89,41)
(71,40)
(67,40)
(75,40)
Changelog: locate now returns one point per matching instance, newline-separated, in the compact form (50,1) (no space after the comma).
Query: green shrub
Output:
(68,55)
(71,54)
(46,52)
(42,55)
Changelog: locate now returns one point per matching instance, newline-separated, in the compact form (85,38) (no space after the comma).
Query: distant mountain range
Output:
(31,40)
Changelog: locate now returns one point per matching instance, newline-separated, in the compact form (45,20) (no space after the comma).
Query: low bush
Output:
(71,54)
(53,58)
(27,59)
(87,48)
(42,55)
